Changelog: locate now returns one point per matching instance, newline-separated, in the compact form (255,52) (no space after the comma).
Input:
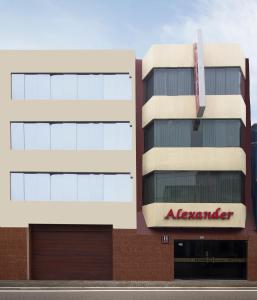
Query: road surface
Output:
(129,293)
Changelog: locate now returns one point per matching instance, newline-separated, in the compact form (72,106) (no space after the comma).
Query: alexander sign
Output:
(198,215)
(229,215)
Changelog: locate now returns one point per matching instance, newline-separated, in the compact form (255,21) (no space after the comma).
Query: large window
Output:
(71,87)
(192,186)
(193,133)
(71,136)
(71,187)
(180,81)
(169,82)
(223,81)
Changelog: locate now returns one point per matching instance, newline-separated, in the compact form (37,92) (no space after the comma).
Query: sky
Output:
(130,24)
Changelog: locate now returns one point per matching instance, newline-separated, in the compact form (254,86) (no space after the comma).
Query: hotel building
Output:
(115,168)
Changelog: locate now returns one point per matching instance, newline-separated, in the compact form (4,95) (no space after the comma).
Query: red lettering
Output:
(198,215)
(191,215)
(230,214)
(184,215)
(179,213)
(170,215)
(207,215)
(223,215)
(187,215)
(215,215)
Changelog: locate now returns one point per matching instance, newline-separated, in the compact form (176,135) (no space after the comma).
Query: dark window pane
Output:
(172,133)
(172,82)
(185,81)
(221,133)
(210,79)
(149,87)
(233,78)
(169,82)
(220,81)
(149,136)
(180,81)
(193,133)
(223,81)
(190,186)
(161,84)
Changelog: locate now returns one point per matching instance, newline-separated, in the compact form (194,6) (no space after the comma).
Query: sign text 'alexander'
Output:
(199,215)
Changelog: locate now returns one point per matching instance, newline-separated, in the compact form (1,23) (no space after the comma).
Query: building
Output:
(66,161)
(126,169)
(254,170)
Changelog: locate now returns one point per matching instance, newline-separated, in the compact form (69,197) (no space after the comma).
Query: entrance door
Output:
(208,259)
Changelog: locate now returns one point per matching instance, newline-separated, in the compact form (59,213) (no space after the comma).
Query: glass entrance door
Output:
(209,259)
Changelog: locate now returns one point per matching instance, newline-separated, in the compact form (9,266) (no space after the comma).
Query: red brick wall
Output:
(252,257)
(141,257)
(13,253)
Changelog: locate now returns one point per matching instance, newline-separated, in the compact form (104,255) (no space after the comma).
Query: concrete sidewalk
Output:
(84,284)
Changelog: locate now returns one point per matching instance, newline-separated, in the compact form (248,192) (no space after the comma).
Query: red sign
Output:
(199,215)
(196,73)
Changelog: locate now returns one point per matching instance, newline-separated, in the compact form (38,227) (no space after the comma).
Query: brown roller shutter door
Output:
(70,252)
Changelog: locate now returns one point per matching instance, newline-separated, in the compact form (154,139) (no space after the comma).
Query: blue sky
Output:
(133,24)
(88,23)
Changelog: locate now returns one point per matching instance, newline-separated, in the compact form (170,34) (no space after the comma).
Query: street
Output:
(129,293)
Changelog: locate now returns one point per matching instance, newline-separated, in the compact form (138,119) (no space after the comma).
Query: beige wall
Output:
(164,56)
(14,214)
(195,159)
(155,213)
(183,107)
(173,56)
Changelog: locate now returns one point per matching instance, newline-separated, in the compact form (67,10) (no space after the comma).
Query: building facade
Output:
(126,169)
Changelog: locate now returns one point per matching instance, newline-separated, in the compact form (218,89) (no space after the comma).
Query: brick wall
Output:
(13,253)
(252,256)
(141,257)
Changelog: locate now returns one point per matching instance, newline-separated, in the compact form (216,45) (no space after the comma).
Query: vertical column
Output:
(199,75)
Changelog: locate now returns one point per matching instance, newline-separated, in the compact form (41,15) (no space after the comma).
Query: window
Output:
(63,136)
(17,136)
(63,87)
(90,187)
(118,188)
(18,87)
(223,81)
(90,136)
(169,82)
(117,136)
(37,86)
(91,87)
(71,136)
(193,133)
(36,136)
(37,187)
(71,87)
(117,87)
(71,187)
(180,81)
(64,187)
(17,187)
(193,187)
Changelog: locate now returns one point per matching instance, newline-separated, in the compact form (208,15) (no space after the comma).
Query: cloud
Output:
(221,21)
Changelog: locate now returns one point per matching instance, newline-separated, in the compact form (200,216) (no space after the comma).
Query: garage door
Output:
(70,252)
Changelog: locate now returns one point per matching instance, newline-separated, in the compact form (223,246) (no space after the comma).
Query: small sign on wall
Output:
(165,239)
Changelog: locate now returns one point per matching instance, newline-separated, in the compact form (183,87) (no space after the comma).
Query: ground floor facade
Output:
(87,252)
